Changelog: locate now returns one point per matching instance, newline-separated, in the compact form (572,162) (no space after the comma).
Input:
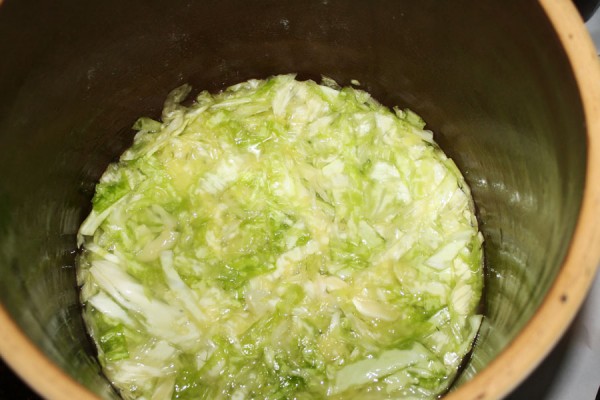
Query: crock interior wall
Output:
(490,78)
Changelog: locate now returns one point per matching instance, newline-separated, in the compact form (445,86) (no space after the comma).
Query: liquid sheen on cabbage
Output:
(281,240)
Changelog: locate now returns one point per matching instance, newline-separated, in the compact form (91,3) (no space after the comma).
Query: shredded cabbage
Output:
(281,240)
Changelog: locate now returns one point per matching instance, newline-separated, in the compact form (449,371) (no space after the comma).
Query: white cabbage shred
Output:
(281,240)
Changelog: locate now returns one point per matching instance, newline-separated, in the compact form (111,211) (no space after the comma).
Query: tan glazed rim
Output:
(538,337)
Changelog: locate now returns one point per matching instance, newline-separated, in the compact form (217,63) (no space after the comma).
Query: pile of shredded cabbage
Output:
(281,240)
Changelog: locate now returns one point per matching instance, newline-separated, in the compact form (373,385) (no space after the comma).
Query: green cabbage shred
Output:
(281,240)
